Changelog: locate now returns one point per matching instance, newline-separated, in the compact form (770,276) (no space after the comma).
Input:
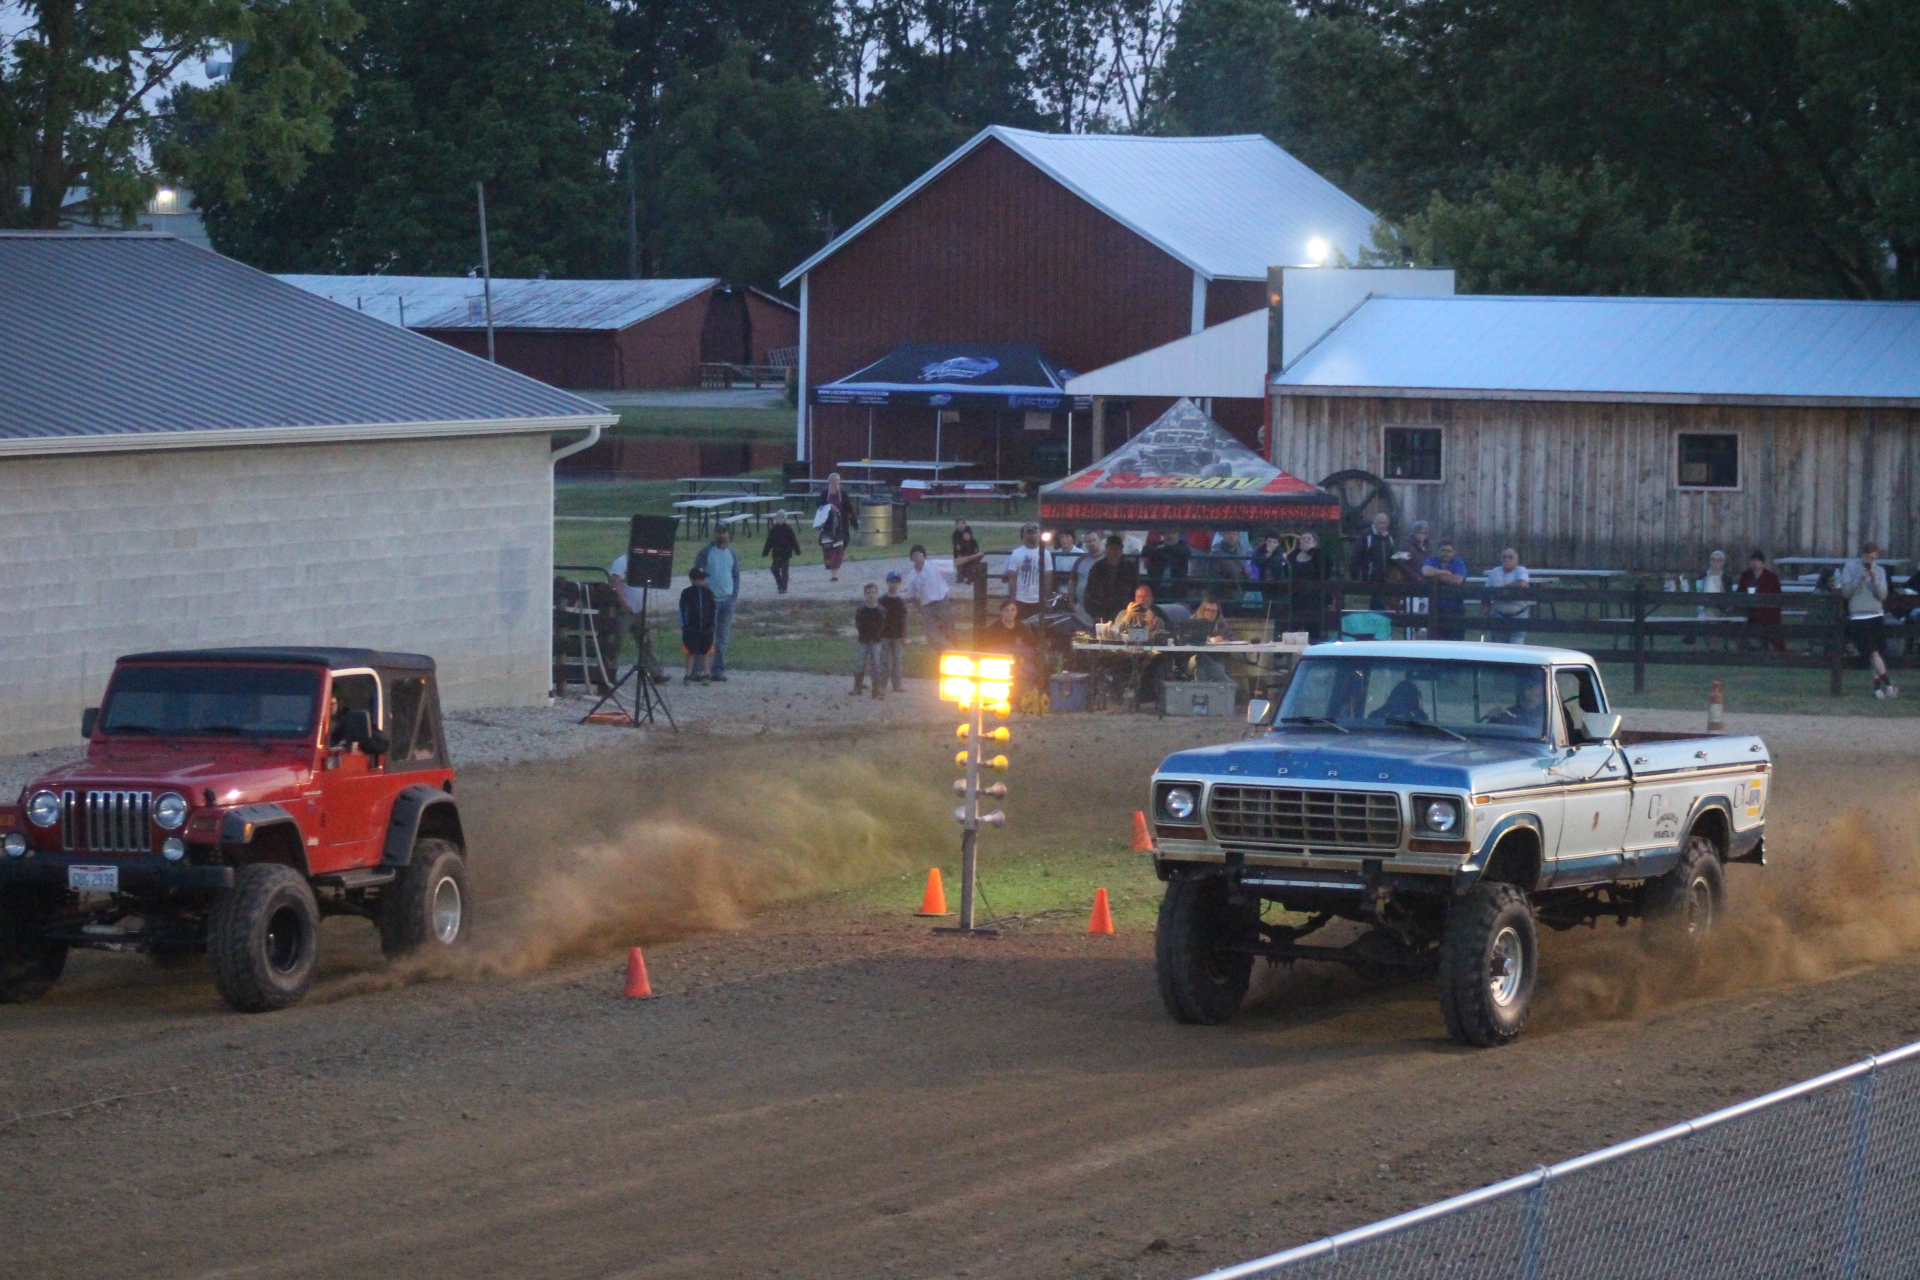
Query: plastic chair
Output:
(1366,626)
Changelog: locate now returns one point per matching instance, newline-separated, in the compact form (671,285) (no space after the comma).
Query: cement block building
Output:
(194,453)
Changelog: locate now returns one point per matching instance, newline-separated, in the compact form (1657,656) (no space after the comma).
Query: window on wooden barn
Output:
(1413,453)
(1709,460)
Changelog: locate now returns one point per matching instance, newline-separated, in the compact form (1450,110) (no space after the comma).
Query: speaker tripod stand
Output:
(646,695)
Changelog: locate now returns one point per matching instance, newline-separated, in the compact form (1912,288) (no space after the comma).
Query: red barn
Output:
(1089,247)
(597,334)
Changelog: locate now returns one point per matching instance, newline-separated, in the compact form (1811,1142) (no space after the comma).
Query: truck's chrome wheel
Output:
(1506,967)
(1699,911)
(446,910)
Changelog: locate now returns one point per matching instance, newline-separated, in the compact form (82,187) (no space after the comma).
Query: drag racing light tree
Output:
(978,683)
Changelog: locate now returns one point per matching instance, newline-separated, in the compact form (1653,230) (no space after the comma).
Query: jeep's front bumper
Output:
(140,876)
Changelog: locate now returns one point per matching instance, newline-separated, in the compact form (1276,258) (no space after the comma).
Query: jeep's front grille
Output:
(1298,816)
(107,821)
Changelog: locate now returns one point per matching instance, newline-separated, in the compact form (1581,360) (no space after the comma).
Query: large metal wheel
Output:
(1489,960)
(1363,495)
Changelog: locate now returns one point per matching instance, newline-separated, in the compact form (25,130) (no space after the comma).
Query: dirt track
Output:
(831,1091)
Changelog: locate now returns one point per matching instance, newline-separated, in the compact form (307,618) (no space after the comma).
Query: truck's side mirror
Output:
(89,719)
(1601,728)
(1260,712)
(356,730)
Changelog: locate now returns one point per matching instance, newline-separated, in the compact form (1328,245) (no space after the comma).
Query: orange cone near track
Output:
(1142,838)
(1102,919)
(638,988)
(934,902)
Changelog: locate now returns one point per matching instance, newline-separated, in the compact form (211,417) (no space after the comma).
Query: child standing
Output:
(869,626)
(895,632)
(699,611)
(783,545)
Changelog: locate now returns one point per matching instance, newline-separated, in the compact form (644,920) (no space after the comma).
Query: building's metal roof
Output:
(1228,361)
(455,302)
(1227,207)
(125,341)
(1681,349)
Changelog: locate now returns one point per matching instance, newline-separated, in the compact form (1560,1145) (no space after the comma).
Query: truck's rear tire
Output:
(428,905)
(1488,961)
(1200,982)
(29,963)
(1683,906)
(264,939)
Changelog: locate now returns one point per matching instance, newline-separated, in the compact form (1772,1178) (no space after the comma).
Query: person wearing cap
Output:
(894,633)
(926,586)
(699,612)
(1025,564)
(721,563)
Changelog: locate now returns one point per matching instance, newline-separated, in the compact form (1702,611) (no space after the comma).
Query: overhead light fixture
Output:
(1318,250)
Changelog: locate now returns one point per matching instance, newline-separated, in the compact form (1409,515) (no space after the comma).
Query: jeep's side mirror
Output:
(88,720)
(355,729)
(1260,712)
(1601,728)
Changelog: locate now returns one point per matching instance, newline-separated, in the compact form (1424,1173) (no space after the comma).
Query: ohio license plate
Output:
(94,879)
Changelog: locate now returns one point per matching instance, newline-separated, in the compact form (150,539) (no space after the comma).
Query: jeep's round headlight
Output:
(44,809)
(173,848)
(170,810)
(1442,815)
(15,844)
(1179,803)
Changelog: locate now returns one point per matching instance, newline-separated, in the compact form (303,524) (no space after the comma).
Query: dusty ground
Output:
(826,1089)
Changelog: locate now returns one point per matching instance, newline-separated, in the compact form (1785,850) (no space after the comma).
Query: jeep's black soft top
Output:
(334,659)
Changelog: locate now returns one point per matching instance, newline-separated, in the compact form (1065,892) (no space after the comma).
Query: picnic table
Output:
(703,486)
(1140,656)
(705,512)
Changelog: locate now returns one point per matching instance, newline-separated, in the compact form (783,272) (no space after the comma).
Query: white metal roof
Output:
(1227,207)
(453,302)
(1450,651)
(1228,360)
(1680,349)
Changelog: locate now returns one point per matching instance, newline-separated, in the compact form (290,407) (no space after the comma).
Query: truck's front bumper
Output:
(139,876)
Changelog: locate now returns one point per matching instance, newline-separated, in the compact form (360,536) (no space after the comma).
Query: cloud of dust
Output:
(1848,897)
(716,849)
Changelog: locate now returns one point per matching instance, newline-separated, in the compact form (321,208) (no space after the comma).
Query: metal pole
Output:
(486,266)
(633,220)
(970,834)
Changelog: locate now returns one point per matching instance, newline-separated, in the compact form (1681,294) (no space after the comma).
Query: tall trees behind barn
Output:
(1580,146)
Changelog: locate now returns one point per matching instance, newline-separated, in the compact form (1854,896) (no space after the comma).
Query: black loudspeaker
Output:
(650,551)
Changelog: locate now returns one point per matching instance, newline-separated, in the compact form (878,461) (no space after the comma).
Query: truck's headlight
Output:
(1442,816)
(44,809)
(173,848)
(170,810)
(15,844)
(1179,803)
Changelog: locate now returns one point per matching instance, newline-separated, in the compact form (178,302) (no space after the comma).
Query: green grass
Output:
(581,542)
(1021,878)
(1757,690)
(716,425)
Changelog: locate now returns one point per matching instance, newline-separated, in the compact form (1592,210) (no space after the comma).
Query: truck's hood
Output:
(1389,756)
(240,773)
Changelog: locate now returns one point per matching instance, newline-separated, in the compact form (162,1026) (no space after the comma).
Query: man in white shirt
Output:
(1025,564)
(635,599)
(926,585)
(1506,613)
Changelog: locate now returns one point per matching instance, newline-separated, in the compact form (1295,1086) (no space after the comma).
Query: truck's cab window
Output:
(1578,694)
(351,693)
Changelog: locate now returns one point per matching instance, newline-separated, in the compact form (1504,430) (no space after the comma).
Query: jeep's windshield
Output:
(1474,699)
(224,700)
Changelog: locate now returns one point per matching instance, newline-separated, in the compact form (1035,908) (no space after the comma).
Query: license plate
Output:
(94,879)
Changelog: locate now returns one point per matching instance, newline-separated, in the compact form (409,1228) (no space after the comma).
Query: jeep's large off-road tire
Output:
(1488,962)
(264,939)
(29,963)
(428,904)
(1683,906)
(1199,981)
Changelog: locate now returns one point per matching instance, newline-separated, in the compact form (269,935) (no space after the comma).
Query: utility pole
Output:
(486,267)
(633,219)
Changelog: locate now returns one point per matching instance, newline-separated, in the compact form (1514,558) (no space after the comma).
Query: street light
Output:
(1317,251)
(977,683)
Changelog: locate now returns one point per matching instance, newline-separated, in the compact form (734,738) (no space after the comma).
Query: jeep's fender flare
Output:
(418,807)
(1476,864)
(249,831)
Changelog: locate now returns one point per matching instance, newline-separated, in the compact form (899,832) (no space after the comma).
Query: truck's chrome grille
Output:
(1299,816)
(107,821)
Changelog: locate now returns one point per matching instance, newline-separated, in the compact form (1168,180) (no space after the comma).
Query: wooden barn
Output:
(588,334)
(1625,433)
(1090,248)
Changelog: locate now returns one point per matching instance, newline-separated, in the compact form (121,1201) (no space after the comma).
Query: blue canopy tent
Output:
(956,375)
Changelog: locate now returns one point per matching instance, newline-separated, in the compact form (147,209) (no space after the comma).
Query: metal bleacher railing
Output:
(1821,1179)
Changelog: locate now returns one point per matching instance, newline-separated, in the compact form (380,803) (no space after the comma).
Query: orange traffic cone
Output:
(638,988)
(934,901)
(1102,919)
(1142,838)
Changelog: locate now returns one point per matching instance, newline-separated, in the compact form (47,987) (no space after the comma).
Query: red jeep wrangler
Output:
(229,799)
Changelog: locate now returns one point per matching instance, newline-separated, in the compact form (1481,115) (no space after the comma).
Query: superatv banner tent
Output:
(1185,470)
(957,375)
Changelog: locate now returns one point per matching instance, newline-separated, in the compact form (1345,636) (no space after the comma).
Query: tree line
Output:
(1738,147)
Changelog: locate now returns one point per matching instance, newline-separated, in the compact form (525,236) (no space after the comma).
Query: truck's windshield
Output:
(211,701)
(1476,699)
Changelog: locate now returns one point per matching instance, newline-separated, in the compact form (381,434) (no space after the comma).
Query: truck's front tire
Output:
(264,939)
(1199,980)
(1683,906)
(1488,962)
(429,903)
(29,963)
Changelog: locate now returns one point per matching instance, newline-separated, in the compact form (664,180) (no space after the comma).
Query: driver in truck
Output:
(1528,703)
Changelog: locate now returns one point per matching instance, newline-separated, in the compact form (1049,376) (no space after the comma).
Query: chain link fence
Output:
(1821,1179)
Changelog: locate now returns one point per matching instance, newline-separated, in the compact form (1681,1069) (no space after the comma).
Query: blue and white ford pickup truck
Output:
(1453,797)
